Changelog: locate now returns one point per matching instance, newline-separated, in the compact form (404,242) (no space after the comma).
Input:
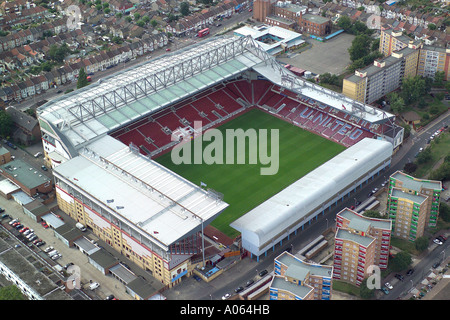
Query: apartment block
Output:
(379,229)
(408,213)
(296,279)
(383,76)
(429,188)
(433,59)
(354,253)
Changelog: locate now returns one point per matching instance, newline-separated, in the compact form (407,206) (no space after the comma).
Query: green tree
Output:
(444,212)
(396,102)
(137,15)
(184,8)
(82,79)
(128,19)
(345,23)
(421,243)
(146,19)
(431,26)
(413,88)
(119,15)
(58,53)
(140,23)
(424,156)
(410,167)
(439,77)
(401,261)
(5,123)
(360,47)
(154,23)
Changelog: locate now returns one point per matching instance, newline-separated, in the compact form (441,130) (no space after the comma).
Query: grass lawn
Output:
(242,184)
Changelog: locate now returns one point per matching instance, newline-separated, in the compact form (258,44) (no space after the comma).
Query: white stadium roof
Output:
(295,204)
(161,203)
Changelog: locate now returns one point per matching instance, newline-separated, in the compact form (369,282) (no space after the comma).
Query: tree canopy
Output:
(82,79)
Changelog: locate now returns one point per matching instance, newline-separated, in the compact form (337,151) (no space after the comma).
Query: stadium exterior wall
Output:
(289,210)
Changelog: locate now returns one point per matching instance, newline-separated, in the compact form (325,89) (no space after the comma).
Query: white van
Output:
(38,154)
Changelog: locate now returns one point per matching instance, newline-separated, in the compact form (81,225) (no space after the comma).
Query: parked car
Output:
(94,285)
(40,243)
(110,297)
(410,272)
(263,273)
(388,285)
(2,210)
(239,289)
(385,290)
(48,249)
(249,283)
(399,277)
(437,241)
(44,224)
(436,264)
(56,256)
(23,229)
(196,277)
(226,296)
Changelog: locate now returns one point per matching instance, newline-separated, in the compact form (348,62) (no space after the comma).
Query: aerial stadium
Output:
(109,147)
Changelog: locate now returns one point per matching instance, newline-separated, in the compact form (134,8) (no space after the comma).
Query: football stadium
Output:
(110,144)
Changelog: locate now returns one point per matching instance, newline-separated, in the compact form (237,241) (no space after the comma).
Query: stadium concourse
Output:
(100,140)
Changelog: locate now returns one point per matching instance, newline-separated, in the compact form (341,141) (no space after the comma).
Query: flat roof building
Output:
(296,279)
(379,229)
(429,188)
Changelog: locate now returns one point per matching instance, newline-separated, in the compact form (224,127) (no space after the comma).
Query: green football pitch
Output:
(242,185)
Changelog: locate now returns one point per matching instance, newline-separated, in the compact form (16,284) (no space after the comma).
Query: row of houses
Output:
(25,16)
(69,72)
(200,20)
(26,36)
(401,13)
(419,31)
